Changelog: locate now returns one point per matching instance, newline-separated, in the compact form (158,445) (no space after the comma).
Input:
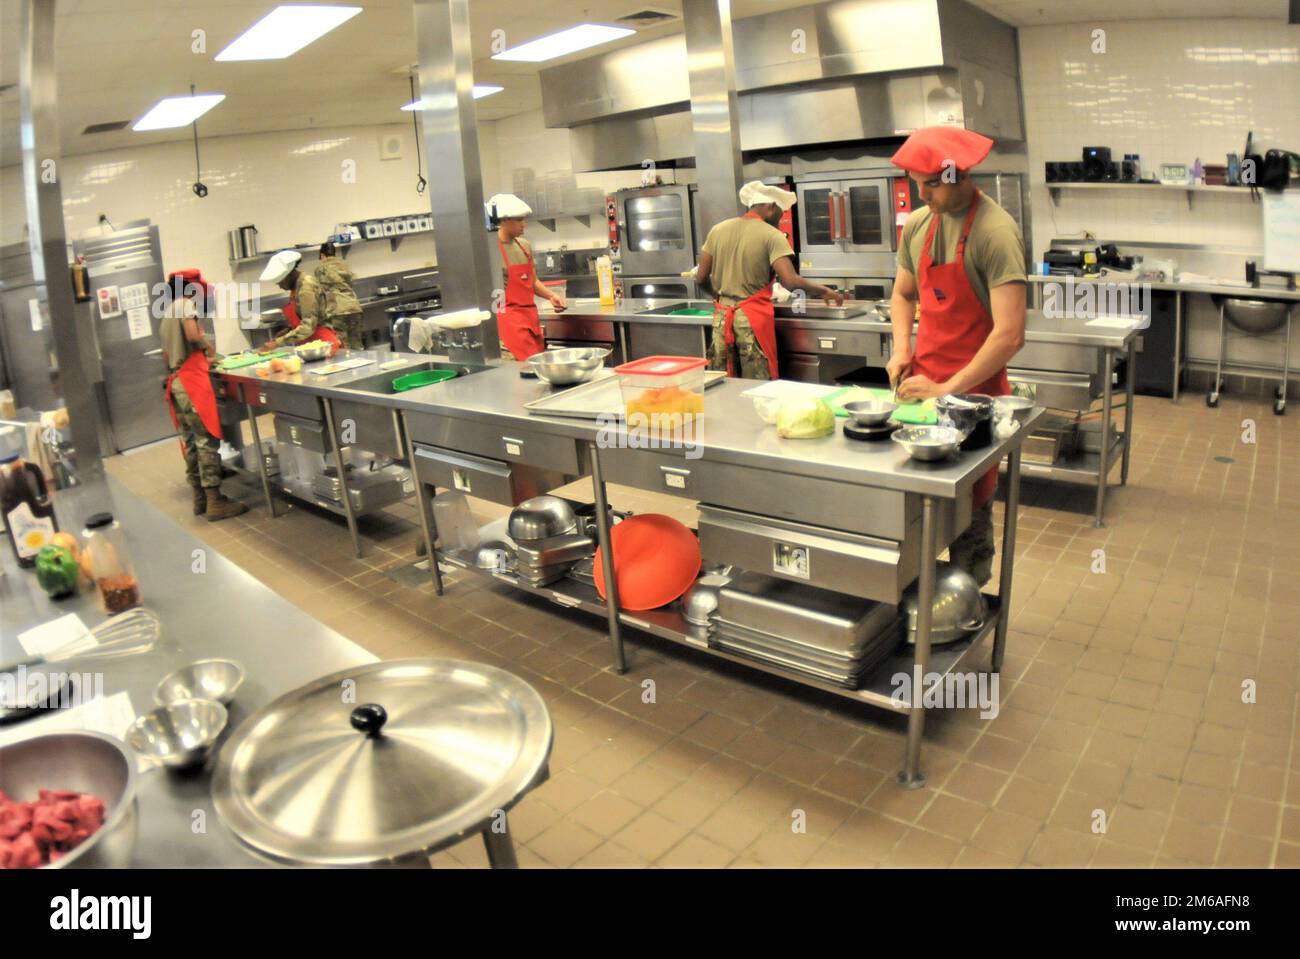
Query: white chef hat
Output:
(756,191)
(508,206)
(280,266)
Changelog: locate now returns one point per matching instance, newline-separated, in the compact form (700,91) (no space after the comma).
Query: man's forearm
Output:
(901,314)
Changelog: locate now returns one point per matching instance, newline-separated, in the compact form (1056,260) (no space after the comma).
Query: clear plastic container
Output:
(106,559)
(457,531)
(662,391)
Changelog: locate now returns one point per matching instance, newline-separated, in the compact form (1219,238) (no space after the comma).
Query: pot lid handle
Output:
(369,718)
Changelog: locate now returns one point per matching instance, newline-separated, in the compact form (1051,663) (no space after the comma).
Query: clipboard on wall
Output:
(1282,231)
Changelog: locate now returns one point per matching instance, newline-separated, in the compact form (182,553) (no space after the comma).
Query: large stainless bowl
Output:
(1255,316)
(567,367)
(958,609)
(86,763)
(928,443)
(541,518)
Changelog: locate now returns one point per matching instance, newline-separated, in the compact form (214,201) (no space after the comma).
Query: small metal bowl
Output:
(883,307)
(178,735)
(928,443)
(214,679)
(870,412)
(494,554)
(701,602)
(1014,407)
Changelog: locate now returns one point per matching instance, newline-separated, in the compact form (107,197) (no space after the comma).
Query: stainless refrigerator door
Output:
(134,369)
(656,230)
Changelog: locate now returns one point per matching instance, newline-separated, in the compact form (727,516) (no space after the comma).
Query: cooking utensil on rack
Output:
(540,518)
(126,634)
(958,608)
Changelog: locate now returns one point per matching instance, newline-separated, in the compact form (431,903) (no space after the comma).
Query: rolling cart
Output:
(1254,318)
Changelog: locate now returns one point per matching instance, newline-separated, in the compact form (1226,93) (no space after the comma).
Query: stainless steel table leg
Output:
(1103,467)
(1178,341)
(261,458)
(1009,522)
(500,850)
(607,560)
(911,776)
(421,502)
(1130,388)
(345,496)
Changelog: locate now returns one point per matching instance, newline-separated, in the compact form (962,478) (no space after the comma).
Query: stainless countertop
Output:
(1226,289)
(731,432)
(224,612)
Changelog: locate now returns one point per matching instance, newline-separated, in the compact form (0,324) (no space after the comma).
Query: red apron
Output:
(762,320)
(323,333)
(518,324)
(954,326)
(193,374)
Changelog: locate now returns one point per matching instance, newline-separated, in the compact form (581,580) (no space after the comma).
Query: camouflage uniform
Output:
(202,452)
(342,308)
(309,303)
(974,549)
(747,355)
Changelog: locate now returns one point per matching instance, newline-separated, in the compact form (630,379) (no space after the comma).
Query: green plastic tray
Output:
(240,360)
(413,381)
(913,414)
(692,311)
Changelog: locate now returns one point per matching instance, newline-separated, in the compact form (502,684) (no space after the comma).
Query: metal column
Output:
(1009,522)
(344,494)
(465,270)
(607,560)
(500,849)
(261,459)
(1103,465)
(423,505)
(1178,341)
(911,777)
(42,171)
(715,115)
(1130,388)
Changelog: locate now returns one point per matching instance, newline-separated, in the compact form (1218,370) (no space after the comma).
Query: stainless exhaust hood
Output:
(835,72)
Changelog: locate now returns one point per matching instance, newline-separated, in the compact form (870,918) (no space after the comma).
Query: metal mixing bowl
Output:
(701,602)
(928,443)
(958,609)
(567,367)
(85,763)
(178,735)
(883,308)
(215,679)
(870,412)
(1255,316)
(540,518)
(1014,407)
(493,554)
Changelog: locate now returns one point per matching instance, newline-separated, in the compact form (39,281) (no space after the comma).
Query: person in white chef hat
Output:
(518,323)
(739,259)
(305,311)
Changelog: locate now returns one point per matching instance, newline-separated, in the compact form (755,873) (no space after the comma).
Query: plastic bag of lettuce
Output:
(804,418)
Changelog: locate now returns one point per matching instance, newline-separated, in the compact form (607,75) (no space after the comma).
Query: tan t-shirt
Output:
(515,255)
(743,251)
(995,250)
(171,333)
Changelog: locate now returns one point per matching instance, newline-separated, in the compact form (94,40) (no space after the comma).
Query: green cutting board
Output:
(913,414)
(240,360)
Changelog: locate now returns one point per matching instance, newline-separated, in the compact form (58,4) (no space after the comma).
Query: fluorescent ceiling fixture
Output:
(581,37)
(286,30)
(480,91)
(177,111)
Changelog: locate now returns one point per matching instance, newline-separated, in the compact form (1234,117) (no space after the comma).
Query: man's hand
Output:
(921,388)
(559,303)
(832,297)
(268,346)
(899,365)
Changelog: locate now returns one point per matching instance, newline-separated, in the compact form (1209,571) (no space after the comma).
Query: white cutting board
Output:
(790,389)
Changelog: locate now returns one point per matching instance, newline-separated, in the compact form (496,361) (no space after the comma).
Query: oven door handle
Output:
(844,220)
(830,214)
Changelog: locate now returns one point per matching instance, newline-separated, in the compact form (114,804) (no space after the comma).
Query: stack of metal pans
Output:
(543,561)
(825,635)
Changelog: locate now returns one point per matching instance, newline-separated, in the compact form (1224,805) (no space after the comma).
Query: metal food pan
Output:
(886,639)
(833,623)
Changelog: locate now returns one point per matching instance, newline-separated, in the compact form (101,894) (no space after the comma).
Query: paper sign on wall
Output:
(137,321)
(135,295)
(1282,232)
(110,303)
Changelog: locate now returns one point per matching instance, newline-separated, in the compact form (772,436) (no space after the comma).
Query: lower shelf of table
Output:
(1081,467)
(876,689)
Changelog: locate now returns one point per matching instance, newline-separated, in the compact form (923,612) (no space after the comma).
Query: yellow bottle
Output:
(605,280)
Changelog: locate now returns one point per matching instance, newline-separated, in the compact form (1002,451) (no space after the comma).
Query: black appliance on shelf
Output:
(1097,167)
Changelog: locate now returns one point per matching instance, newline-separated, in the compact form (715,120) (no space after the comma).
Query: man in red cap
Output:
(190,396)
(962,258)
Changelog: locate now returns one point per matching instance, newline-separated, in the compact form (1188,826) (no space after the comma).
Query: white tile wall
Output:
(1170,91)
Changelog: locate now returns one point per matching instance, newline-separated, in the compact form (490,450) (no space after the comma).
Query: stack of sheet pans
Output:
(829,636)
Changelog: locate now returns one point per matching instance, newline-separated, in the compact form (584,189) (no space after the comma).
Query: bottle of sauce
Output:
(26,508)
(605,280)
(105,559)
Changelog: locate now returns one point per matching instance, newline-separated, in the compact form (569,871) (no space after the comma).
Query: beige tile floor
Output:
(1122,690)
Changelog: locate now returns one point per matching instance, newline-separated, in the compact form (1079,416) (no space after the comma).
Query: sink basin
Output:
(382,383)
(1255,316)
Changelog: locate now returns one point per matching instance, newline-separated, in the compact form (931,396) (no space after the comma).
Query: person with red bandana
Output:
(962,259)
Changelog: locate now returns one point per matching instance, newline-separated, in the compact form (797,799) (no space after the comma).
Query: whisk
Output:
(126,634)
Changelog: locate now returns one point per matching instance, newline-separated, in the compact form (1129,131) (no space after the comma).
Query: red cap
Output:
(189,275)
(933,149)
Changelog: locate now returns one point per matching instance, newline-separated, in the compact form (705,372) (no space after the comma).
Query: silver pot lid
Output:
(373,764)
